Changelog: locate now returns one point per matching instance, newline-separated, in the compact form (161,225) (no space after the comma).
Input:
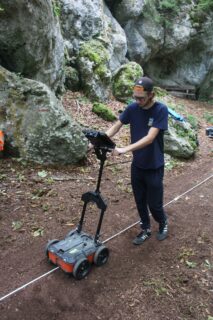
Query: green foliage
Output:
(159,92)
(205,5)
(101,71)
(168,6)
(103,111)
(168,9)
(193,121)
(42,174)
(170,164)
(3,177)
(190,264)
(56,8)
(94,51)
(201,10)
(97,54)
(208,116)
(16,225)
(1,9)
(207,264)
(124,79)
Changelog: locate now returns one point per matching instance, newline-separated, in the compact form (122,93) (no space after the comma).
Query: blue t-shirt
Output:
(140,120)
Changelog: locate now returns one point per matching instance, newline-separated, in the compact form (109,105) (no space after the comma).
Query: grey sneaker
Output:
(142,236)
(163,231)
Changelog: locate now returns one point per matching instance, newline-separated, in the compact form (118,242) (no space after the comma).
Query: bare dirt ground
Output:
(168,280)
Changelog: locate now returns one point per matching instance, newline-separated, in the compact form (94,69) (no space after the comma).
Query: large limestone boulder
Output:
(124,79)
(93,64)
(31,42)
(36,125)
(180,140)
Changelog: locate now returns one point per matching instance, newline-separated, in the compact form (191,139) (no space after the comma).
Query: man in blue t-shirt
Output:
(148,120)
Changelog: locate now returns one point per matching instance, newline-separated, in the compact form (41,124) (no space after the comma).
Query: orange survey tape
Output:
(1,140)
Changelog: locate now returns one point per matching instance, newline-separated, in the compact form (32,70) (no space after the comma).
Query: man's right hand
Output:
(90,147)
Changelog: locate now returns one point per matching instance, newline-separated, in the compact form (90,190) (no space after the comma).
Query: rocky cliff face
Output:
(172,41)
(30,40)
(96,44)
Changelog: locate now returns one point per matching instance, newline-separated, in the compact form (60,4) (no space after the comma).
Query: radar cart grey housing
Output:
(209,132)
(78,251)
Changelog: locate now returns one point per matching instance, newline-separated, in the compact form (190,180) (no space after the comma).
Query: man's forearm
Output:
(114,129)
(142,143)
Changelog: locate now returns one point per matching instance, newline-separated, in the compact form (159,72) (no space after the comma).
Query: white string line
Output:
(175,199)
(27,284)
(110,238)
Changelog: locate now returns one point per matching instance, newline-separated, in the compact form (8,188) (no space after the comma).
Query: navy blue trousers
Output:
(147,186)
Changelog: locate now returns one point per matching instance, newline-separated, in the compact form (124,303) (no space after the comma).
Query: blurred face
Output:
(143,98)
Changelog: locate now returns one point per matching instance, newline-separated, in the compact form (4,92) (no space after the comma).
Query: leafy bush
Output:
(208,116)
(56,8)
(201,10)
(193,121)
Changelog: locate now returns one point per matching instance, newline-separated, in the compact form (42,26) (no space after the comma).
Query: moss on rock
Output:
(124,79)
(103,111)
(93,63)
(94,51)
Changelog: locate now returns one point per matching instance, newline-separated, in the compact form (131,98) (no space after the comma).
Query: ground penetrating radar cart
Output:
(76,253)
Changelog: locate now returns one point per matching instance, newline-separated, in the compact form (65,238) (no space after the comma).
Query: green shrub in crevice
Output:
(164,11)
(193,121)
(201,10)
(103,111)
(56,8)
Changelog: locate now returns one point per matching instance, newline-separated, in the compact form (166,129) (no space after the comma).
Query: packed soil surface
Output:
(167,280)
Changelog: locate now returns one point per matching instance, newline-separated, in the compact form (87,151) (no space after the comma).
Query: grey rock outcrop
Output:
(84,20)
(36,125)
(93,64)
(31,42)
(93,25)
(180,140)
(128,10)
(72,81)
(173,43)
